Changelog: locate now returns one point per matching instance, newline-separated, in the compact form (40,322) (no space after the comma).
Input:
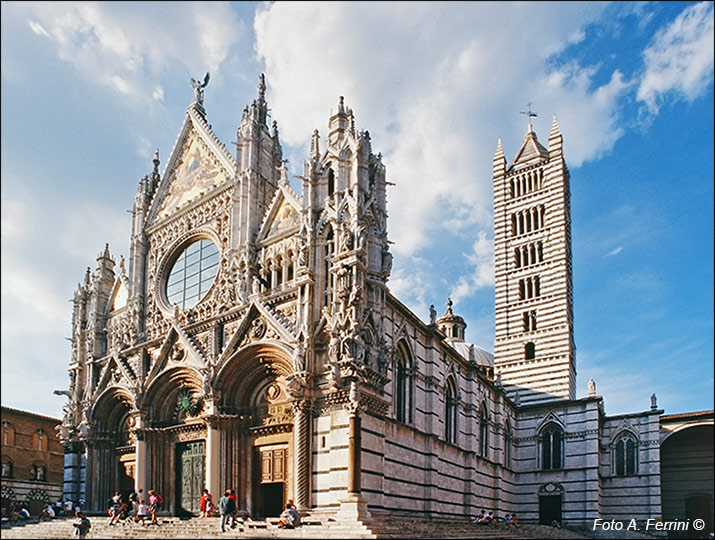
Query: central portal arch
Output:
(259,452)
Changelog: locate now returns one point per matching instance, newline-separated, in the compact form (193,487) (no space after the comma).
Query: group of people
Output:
(135,507)
(488,518)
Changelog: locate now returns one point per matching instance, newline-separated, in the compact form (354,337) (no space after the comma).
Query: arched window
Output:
(331,182)
(39,440)
(530,351)
(7,468)
(403,385)
(483,432)
(450,428)
(328,255)
(507,444)
(552,443)
(38,472)
(8,434)
(626,457)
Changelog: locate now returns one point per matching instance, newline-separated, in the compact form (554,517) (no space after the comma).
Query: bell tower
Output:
(534,348)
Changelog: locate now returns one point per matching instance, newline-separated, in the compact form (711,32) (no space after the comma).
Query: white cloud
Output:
(38,29)
(436,106)
(615,251)
(482,261)
(128,50)
(680,58)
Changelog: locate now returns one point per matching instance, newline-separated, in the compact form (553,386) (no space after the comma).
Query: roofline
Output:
(28,413)
(688,415)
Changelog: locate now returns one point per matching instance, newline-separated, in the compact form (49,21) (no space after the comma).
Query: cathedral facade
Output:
(251,342)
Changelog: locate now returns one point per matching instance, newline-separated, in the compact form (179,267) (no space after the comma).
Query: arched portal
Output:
(112,448)
(176,439)
(686,476)
(258,444)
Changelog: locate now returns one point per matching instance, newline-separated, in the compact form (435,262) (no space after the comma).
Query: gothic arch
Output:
(110,413)
(250,375)
(163,393)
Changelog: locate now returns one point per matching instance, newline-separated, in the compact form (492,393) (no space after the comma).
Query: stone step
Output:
(195,528)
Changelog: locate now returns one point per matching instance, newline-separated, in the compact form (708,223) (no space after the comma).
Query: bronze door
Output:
(190,476)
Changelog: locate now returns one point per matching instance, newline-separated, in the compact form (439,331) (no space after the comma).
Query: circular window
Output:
(193,274)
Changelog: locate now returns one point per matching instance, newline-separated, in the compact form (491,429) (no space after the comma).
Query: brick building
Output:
(32,459)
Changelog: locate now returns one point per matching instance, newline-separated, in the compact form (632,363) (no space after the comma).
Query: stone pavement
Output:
(316,527)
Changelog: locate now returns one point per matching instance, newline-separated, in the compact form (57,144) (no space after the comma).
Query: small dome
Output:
(451,325)
(473,353)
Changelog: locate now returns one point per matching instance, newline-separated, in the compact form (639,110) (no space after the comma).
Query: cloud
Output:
(482,261)
(615,251)
(434,106)
(680,58)
(128,50)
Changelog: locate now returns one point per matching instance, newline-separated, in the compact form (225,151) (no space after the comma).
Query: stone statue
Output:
(432,315)
(386,261)
(517,398)
(334,347)
(498,381)
(198,87)
(299,359)
(591,387)
(653,401)
(256,285)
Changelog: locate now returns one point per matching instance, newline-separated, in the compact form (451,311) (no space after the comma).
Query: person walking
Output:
(155,501)
(81,525)
(226,506)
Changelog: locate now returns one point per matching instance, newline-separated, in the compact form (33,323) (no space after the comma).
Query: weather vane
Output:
(531,114)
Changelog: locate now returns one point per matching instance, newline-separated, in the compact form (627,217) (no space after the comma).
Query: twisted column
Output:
(301,443)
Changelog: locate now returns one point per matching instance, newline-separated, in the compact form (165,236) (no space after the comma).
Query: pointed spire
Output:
(156,161)
(500,150)
(88,276)
(341,105)
(314,145)
(449,306)
(555,131)
(106,254)
(261,104)
(262,87)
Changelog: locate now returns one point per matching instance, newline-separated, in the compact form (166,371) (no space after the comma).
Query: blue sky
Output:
(89,91)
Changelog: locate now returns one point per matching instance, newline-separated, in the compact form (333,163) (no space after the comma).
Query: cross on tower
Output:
(531,114)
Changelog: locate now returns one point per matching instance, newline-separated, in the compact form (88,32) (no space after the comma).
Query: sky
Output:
(91,90)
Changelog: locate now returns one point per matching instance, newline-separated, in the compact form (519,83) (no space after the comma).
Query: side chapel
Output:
(250,341)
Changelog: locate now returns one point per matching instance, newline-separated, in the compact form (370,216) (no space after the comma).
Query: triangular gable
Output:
(283,216)
(198,164)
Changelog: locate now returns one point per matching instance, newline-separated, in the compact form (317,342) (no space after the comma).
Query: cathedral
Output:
(250,341)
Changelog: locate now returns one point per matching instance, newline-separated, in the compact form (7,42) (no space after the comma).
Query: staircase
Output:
(195,528)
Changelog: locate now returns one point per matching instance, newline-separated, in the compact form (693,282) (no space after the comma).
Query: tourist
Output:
(479,517)
(133,499)
(69,506)
(205,504)
(290,518)
(115,503)
(24,512)
(155,501)
(505,519)
(234,521)
(47,513)
(81,525)
(141,511)
(513,521)
(226,506)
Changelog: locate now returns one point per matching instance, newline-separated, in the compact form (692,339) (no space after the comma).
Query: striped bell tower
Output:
(533,347)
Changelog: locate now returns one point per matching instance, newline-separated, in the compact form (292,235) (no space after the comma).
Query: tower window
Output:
(530,351)
(483,433)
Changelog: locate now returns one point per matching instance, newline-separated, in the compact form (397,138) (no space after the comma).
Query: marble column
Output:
(301,445)
(140,453)
(354,506)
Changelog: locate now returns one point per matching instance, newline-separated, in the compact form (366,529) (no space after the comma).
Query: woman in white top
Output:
(141,511)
